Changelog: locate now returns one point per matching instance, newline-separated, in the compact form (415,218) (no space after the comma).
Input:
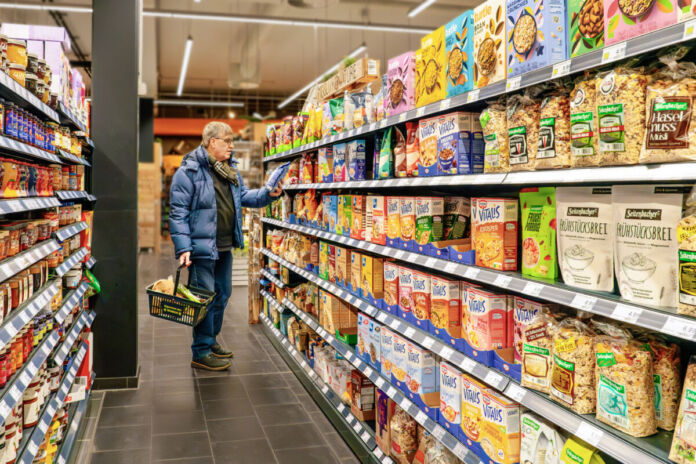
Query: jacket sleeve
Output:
(256,198)
(180,198)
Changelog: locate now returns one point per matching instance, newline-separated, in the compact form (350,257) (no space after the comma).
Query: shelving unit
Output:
(272,278)
(66,232)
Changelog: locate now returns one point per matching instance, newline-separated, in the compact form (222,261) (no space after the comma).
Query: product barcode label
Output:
(357,427)
(513,83)
(583,302)
(589,433)
(402,117)
(445,104)
(365,436)
(439,432)
(493,378)
(428,342)
(502,281)
(410,332)
(446,352)
(420,417)
(532,289)
(626,313)
(561,69)
(614,52)
(515,393)
(680,327)
(460,451)
(471,273)
(430,262)
(472,96)
(450,267)
(420,111)
(391,391)
(15,393)
(32,448)
(380,382)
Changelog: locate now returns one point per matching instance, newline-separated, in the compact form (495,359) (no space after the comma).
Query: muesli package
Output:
(683,449)
(538,207)
(404,437)
(573,367)
(624,19)
(489,43)
(621,114)
(584,129)
(399,151)
(554,130)
(686,236)
(536,351)
(666,368)
(412,149)
(523,131)
(526,313)
(585,26)
(494,124)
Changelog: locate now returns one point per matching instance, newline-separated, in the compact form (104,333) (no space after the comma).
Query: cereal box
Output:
(494,232)
(450,399)
(478,143)
(486,320)
(401,83)
(407,221)
(347,214)
(355,150)
(385,410)
(427,145)
(585,26)
(446,312)
(355,283)
(429,215)
(391,287)
(459,44)
(489,43)
(325,164)
(422,379)
(374,347)
(431,83)
(393,218)
(332,264)
(376,212)
(339,162)
(342,266)
(362,395)
(500,434)
(526,313)
(399,361)
(472,414)
(373,275)
(324,260)
(686,11)
(420,314)
(457,218)
(454,144)
(362,347)
(339,214)
(405,293)
(358,216)
(536,34)
(636,18)
(385,353)
(331,212)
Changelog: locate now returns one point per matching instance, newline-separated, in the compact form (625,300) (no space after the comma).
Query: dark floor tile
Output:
(86,431)
(254,381)
(261,396)
(316,455)
(271,414)
(172,372)
(243,452)
(163,387)
(173,348)
(279,363)
(237,428)
(124,415)
(142,395)
(122,438)
(339,447)
(180,445)
(203,374)
(322,422)
(122,457)
(351,460)
(293,436)
(252,367)
(173,360)
(216,391)
(177,402)
(227,408)
(205,460)
(178,422)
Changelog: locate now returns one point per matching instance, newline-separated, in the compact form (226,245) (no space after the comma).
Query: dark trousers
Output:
(215,276)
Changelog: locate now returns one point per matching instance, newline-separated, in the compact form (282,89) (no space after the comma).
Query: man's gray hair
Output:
(215,129)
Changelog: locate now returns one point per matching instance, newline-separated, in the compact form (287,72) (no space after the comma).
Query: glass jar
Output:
(32,63)
(18,73)
(36,276)
(17,52)
(66,178)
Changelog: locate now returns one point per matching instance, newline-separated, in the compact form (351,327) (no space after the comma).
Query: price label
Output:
(450,267)
(446,352)
(472,96)
(532,289)
(402,117)
(614,52)
(626,313)
(357,427)
(689,30)
(372,126)
(421,417)
(428,343)
(680,328)
(15,393)
(24,378)
(410,332)
(420,111)
(513,83)
(584,302)
(391,391)
(365,436)
(341,407)
(493,378)
(325,389)
(394,324)
(471,273)
(399,254)
(515,393)
(561,69)
(380,382)
(32,448)
(382,123)
(589,433)
(430,262)
(502,281)
(5,410)
(460,450)
(439,432)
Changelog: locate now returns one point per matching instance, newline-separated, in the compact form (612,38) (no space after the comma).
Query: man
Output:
(205,223)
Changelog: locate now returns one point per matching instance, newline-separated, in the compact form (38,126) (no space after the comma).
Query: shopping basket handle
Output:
(178,273)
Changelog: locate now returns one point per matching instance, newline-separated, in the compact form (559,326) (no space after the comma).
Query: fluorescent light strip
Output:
(416,11)
(216,104)
(184,66)
(292,97)
(45,7)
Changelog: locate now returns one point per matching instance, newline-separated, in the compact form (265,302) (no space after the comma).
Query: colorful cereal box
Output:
(431,83)
(399,361)
(494,232)
(339,162)
(457,218)
(385,410)
(422,379)
(525,313)
(332,212)
(536,34)
(427,145)
(393,222)
(355,284)
(405,293)
(686,11)
(454,144)
(342,266)
(407,221)
(459,43)
(500,434)
(324,260)
(339,214)
(387,338)
(472,414)
(487,319)
(391,287)
(332,264)
(450,399)
(325,164)
(489,43)
(356,159)
(446,311)
(373,275)
(376,218)
(357,229)
(429,216)
(585,26)
(362,347)
(347,214)
(640,18)
(374,347)
(420,314)
(401,83)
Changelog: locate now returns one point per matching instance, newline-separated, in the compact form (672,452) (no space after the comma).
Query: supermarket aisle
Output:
(256,413)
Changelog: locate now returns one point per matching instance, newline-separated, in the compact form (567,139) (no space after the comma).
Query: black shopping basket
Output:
(176,309)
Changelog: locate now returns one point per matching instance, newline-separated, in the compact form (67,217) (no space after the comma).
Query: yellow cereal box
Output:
(399,361)
(494,232)
(342,267)
(431,79)
(376,220)
(393,226)
(355,283)
(446,311)
(472,415)
(427,146)
(407,220)
(372,278)
(489,43)
(500,433)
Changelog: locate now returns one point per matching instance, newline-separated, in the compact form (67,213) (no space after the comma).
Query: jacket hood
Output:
(199,157)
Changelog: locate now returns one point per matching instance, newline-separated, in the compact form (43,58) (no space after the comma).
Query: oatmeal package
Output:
(523,130)
(489,43)
(666,366)
(554,130)
(584,130)
(404,437)
(620,100)
(537,352)
(683,449)
(494,124)
(686,237)
(573,370)
(625,394)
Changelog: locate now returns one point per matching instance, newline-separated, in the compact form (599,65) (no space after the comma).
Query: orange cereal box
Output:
(420,314)
(358,216)
(494,232)
(376,220)
(407,222)
(446,311)
(393,226)
(390,301)
(355,283)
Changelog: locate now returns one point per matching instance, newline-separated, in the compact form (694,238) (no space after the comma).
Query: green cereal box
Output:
(429,216)
(340,213)
(585,26)
(538,206)
(347,214)
(324,260)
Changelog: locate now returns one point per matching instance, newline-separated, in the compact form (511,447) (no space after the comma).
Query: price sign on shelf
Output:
(391,391)
(472,96)
(445,104)
(513,83)
(626,313)
(614,52)
(502,280)
(515,392)
(471,273)
(561,69)
(430,262)
(439,432)
(450,267)
(421,417)
(680,328)
(402,117)
(420,111)
(410,332)
(493,378)
(446,352)
(428,342)
(689,30)
(589,433)
(532,289)
(380,382)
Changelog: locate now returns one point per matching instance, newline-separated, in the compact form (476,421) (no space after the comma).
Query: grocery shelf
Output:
(69,302)
(71,436)
(72,158)
(91,197)
(71,261)
(71,194)
(660,38)
(67,117)
(73,333)
(272,278)
(664,320)
(14,92)
(23,149)
(25,312)
(87,140)
(20,205)
(66,232)
(17,263)
(90,262)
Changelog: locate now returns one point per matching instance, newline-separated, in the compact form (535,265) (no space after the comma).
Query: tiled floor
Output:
(249,414)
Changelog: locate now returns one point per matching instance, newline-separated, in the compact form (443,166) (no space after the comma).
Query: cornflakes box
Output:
(429,216)
(373,275)
(585,26)
(422,379)
(446,312)
(401,83)
(363,346)
(487,319)
(472,414)
(339,162)
(324,260)
(450,399)
(489,43)
(393,225)
(390,302)
(407,221)
(500,434)
(405,293)
(332,264)
(387,338)
(420,314)
(457,218)
(494,232)
(325,164)
(638,18)
(536,34)
(358,216)
(454,145)
(399,361)
(340,219)
(376,218)
(355,150)
(431,83)
(342,267)
(459,45)
(374,348)
(427,145)
(355,283)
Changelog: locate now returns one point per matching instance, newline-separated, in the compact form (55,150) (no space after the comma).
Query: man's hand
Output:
(185,259)
(276,192)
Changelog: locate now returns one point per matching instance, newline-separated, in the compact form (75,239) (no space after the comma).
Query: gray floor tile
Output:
(238,428)
(244,452)
(252,367)
(122,438)
(316,455)
(284,437)
(261,396)
(122,457)
(287,414)
(230,387)
(322,422)
(254,381)
(142,395)
(180,445)
(338,446)
(124,415)
(227,408)
(178,422)
(205,460)
(177,402)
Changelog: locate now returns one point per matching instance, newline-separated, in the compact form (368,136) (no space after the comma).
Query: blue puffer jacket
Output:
(192,206)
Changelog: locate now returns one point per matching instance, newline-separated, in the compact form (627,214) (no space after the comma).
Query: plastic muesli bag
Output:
(666,363)
(537,353)
(523,130)
(584,129)
(404,437)
(494,124)
(683,449)
(621,114)
(625,394)
(554,130)
(686,237)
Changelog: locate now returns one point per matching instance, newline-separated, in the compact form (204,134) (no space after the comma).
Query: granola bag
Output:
(523,130)
(494,124)
(686,237)
(412,149)
(683,449)
(404,437)
(572,370)
(621,114)
(625,395)
(537,353)
(554,130)
(666,364)
(584,131)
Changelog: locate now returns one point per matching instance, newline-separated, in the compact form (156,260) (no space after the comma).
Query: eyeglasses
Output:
(229,142)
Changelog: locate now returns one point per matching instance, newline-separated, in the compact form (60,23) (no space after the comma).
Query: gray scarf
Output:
(224,170)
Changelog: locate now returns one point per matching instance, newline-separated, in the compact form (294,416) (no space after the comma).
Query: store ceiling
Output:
(280,59)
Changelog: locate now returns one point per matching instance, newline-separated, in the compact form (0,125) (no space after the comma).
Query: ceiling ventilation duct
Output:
(311,3)
(247,73)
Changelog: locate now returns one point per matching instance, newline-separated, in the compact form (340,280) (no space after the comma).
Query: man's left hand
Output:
(276,192)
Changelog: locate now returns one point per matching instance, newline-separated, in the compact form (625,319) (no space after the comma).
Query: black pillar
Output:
(115,38)
(147,130)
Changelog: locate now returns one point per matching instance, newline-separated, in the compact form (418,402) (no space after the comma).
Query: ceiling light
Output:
(44,7)
(292,97)
(210,103)
(416,11)
(184,65)
(231,114)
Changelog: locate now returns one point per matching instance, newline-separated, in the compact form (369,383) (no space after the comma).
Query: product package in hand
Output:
(277,175)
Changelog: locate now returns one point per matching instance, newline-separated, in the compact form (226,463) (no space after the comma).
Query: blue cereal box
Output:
(355,150)
(339,162)
(478,145)
(399,365)
(387,337)
(362,347)
(450,399)
(374,354)
(325,164)
(332,212)
(423,380)
(454,145)
(459,44)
